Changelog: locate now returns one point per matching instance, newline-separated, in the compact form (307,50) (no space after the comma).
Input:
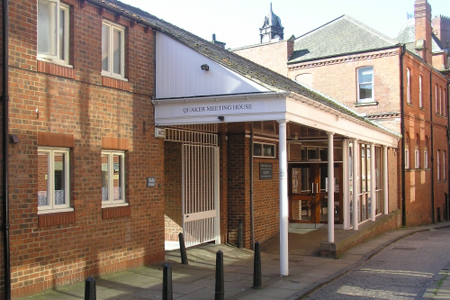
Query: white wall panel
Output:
(178,73)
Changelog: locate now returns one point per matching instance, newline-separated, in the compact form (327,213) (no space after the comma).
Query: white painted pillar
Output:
(345,185)
(355,183)
(330,187)
(385,181)
(373,183)
(284,206)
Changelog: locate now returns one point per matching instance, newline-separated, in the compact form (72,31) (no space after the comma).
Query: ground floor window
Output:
(113,178)
(53,178)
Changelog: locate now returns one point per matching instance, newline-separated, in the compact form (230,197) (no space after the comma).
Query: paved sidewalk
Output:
(197,280)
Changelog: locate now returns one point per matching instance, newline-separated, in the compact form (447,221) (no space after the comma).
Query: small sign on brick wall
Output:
(265,171)
(151,182)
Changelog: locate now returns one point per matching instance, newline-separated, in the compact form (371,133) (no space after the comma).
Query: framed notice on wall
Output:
(265,171)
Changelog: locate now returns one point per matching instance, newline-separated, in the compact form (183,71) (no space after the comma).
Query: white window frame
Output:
(110,72)
(406,158)
(262,150)
(61,57)
(425,159)
(420,91)
(408,85)
(444,96)
(52,207)
(440,101)
(416,159)
(436,98)
(365,100)
(122,201)
(438,165)
(444,167)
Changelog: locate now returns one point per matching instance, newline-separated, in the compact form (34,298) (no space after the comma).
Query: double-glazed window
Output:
(53,31)
(264,150)
(365,85)
(420,91)
(113,178)
(53,179)
(113,50)
(408,86)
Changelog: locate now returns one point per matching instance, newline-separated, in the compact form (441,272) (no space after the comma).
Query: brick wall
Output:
(172,189)
(96,113)
(272,55)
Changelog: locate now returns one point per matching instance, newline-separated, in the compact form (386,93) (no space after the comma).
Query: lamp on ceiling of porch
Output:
(205,67)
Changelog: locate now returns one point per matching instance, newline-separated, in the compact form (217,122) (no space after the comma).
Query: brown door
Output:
(308,194)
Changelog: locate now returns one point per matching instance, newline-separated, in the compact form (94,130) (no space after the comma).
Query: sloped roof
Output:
(343,35)
(264,76)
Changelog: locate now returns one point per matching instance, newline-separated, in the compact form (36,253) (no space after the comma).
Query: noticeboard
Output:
(265,171)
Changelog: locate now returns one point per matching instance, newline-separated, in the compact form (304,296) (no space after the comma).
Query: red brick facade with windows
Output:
(77,108)
(337,76)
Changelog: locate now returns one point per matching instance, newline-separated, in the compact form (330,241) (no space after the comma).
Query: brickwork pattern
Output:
(46,256)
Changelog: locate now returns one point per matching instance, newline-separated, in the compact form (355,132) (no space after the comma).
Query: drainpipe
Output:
(5,101)
(252,215)
(432,145)
(402,112)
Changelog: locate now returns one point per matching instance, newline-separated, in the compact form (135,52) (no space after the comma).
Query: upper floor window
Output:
(438,165)
(365,85)
(53,178)
(436,98)
(444,167)
(407,151)
(113,50)
(425,154)
(53,31)
(408,85)
(113,177)
(420,91)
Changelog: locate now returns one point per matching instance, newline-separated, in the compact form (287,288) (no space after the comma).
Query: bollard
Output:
(257,278)
(240,235)
(220,286)
(184,259)
(89,289)
(167,282)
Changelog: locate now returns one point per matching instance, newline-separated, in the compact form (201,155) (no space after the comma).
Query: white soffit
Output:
(319,116)
(179,73)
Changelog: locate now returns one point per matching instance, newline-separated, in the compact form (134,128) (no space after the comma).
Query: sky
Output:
(237,22)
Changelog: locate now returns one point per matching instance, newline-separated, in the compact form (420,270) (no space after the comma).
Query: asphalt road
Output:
(403,270)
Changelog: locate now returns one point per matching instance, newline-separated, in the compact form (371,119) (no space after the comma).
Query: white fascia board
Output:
(233,108)
(321,117)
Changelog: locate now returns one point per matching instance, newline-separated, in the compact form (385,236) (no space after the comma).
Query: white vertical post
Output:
(385,180)
(355,183)
(284,207)
(345,185)
(217,192)
(373,183)
(330,187)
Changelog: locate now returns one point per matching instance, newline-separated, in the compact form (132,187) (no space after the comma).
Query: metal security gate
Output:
(200,194)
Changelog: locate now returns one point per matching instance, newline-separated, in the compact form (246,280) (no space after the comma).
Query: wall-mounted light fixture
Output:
(221,118)
(13,139)
(205,67)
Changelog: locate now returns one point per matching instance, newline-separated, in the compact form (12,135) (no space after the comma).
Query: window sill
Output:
(372,103)
(55,68)
(55,217)
(121,84)
(109,212)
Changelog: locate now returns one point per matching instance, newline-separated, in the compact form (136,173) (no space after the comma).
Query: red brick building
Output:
(123,130)
(399,83)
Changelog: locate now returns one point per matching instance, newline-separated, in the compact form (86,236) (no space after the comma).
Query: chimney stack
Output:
(422,16)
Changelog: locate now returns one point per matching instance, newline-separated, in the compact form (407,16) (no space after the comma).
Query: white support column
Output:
(345,184)
(385,181)
(355,183)
(284,207)
(373,183)
(330,187)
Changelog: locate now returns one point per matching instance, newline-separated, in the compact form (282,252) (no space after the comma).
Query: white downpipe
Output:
(345,185)
(284,207)
(217,192)
(385,180)
(355,183)
(330,187)
(373,183)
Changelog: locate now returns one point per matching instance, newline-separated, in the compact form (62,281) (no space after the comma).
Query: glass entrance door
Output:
(308,193)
